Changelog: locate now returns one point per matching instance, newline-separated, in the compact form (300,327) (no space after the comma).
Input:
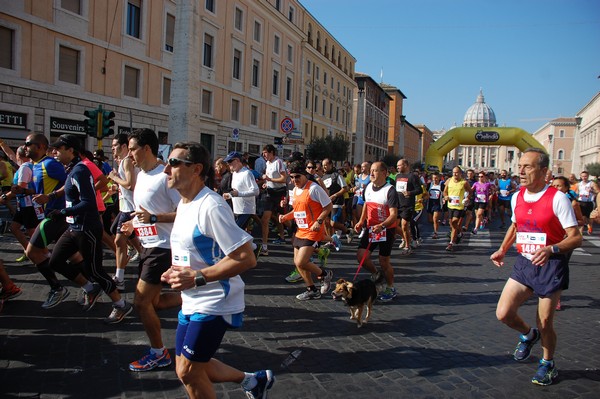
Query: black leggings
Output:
(89,244)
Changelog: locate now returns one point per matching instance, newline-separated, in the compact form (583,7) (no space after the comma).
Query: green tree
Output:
(390,160)
(593,169)
(336,148)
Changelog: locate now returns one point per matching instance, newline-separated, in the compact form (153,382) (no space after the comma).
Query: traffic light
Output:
(107,124)
(91,123)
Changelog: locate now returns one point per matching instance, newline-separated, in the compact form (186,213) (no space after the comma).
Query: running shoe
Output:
(389,294)
(405,251)
(151,361)
(264,251)
(294,277)
(459,237)
(257,251)
(546,373)
(323,253)
(10,293)
(265,380)
(362,234)
(278,240)
(118,314)
(434,236)
(90,298)
(22,258)
(523,349)
(450,247)
(474,231)
(402,244)
(326,282)
(337,243)
(55,297)
(308,295)
(349,236)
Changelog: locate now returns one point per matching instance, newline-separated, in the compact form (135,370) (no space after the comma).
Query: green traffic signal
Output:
(91,123)
(107,123)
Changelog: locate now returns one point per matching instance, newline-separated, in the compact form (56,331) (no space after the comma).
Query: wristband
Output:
(555,249)
(153,219)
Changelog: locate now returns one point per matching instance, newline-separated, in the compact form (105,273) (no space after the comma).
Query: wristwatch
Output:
(199,281)
(153,219)
(555,249)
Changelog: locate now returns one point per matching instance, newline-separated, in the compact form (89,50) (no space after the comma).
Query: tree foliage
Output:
(335,148)
(593,169)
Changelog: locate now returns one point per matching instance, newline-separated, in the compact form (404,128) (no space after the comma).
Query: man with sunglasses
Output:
(311,205)
(209,253)
(155,207)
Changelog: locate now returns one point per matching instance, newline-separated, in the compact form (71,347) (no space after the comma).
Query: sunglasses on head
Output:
(175,162)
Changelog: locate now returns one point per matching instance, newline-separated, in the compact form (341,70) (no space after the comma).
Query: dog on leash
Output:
(358,295)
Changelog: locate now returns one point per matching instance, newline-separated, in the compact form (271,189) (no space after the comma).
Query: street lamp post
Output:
(550,152)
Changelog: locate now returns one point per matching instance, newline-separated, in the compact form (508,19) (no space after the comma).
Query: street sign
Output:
(235,134)
(287,125)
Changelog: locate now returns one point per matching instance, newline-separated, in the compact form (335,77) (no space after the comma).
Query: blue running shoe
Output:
(546,373)
(279,240)
(337,243)
(265,379)
(389,294)
(151,361)
(523,349)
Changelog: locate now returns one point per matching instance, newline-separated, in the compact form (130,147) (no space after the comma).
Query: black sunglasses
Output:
(310,167)
(30,143)
(175,162)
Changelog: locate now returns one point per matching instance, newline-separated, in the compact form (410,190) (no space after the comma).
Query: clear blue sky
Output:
(535,60)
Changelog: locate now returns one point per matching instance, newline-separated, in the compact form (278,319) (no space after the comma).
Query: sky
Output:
(534,60)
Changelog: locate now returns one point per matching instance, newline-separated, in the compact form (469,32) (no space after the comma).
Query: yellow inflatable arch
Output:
(510,136)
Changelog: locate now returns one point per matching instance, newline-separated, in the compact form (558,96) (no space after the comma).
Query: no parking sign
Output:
(287,125)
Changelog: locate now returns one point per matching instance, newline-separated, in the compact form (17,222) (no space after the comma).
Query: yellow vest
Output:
(456,194)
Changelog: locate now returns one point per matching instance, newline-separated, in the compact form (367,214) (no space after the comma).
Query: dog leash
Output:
(363,259)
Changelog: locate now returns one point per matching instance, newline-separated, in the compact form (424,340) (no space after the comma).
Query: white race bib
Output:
(69,219)
(454,200)
(301,220)
(529,243)
(146,232)
(180,257)
(401,185)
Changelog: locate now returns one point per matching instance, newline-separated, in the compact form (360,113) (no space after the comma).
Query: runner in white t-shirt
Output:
(209,253)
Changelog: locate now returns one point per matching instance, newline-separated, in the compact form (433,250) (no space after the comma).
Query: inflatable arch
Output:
(512,136)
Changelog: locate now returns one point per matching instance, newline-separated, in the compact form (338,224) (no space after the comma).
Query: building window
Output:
(237,60)
(253,115)
(206,102)
(132,82)
(208,51)
(6,47)
(276,44)
(134,13)
(257,31)
(560,154)
(278,5)
(273,120)
(238,21)
(315,103)
(71,5)
(166,98)
(324,78)
(317,72)
(275,82)
(308,67)
(307,100)
(290,54)
(324,105)
(330,111)
(170,33)
(210,5)
(288,89)
(561,133)
(291,14)
(68,65)
(255,72)
(235,110)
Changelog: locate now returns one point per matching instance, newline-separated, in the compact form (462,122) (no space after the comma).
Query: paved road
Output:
(438,339)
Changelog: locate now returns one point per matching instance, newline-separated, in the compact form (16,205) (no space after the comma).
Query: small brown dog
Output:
(356,296)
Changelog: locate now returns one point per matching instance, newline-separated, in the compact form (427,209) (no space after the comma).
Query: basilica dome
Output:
(480,114)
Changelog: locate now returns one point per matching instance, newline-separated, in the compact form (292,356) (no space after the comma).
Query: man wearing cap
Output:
(244,190)
(275,177)
(84,233)
(311,205)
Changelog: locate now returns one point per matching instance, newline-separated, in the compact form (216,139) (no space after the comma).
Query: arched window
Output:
(560,154)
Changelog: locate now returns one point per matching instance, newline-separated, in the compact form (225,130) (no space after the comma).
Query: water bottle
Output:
(291,358)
